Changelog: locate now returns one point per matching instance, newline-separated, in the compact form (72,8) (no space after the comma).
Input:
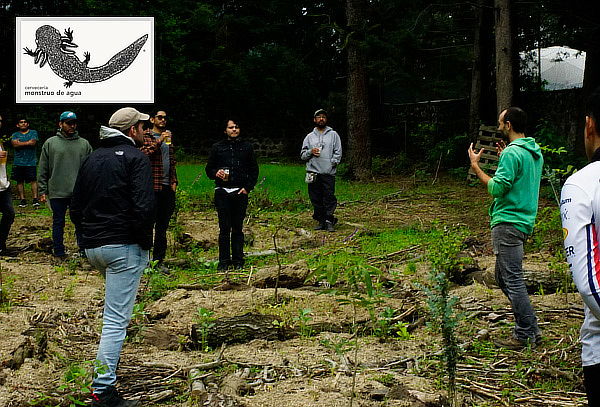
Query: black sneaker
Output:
(35,203)
(329,226)
(60,256)
(320,226)
(111,398)
(23,203)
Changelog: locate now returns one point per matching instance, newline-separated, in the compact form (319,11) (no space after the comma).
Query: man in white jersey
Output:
(580,212)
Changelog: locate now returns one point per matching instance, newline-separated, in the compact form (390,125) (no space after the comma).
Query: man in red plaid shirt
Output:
(157,146)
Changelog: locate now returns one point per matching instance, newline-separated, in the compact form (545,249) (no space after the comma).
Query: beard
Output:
(321,125)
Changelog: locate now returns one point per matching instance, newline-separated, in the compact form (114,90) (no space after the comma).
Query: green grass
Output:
(279,184)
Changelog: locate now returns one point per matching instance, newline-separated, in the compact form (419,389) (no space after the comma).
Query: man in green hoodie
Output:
(60,160)
(515,187)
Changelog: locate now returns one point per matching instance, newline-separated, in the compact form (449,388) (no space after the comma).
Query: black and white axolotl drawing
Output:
(56,51)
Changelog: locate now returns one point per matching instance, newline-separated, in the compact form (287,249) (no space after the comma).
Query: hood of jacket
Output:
(529,144)
(319,134)
(62,134)
(109,133)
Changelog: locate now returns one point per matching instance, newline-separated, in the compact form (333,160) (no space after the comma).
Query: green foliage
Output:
(205,320)
(448,153)
(387,380)
(443,317)
(69,290)
(156,283)
(340,347)
(547,233)
(386,327)
(560,159)
(394,165)
(6,282)
(76,383)
(303,318)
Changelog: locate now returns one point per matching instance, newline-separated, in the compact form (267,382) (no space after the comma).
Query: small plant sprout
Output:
(205,320)
(303,318)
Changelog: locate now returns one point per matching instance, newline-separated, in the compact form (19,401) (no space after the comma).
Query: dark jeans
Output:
(231,209)
(322,197)
(59,211)
(591,377)
(165,205)
(8,216)
(508,248)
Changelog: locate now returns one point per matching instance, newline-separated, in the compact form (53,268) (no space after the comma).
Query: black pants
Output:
(591,377)
(8,216)
(322,196)
(165,205)
(231,209)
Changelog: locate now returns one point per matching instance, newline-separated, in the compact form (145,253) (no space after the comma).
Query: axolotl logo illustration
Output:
(56,50)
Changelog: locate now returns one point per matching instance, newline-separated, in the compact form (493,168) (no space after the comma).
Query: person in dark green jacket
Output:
(515,187)
(60,160)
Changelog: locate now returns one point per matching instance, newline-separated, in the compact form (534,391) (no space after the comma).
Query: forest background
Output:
(273,62)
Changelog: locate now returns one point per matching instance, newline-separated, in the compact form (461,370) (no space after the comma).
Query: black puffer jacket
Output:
(113,199)
(238,156)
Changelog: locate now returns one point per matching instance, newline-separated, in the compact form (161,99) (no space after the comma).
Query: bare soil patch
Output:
(55,317)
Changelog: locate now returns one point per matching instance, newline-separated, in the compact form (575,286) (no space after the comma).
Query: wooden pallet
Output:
(488,137)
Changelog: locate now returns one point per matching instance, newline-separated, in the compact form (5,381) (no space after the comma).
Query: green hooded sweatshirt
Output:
(59,164)
(516,185)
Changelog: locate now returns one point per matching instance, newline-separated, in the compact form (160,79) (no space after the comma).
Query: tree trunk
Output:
(504,60)
(359,135)
(475,102)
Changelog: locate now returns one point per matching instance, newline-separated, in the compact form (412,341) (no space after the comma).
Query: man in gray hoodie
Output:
(322,151)
(60,160)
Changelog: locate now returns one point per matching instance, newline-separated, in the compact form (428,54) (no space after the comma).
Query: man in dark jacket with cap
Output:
(232,164)
(113,205)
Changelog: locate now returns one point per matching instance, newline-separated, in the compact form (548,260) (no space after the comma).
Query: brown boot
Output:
(514,344)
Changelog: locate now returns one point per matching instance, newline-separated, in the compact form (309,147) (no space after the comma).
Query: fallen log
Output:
(291,276)
(238,329)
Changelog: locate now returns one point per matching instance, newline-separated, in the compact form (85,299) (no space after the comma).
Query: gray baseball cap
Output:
(126,117)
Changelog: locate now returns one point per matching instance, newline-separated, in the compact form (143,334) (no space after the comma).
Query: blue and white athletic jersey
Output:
(580,212)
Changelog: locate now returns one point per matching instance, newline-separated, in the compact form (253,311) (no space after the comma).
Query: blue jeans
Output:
(508,248)
(59,210)
(122,265)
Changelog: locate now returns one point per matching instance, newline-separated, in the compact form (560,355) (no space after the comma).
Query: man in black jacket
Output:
(232,164)
(113,205)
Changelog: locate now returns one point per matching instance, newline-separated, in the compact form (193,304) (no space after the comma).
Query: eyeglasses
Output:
(161,117)
(233,127)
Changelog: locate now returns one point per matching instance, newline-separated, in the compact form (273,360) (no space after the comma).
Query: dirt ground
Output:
(54,319)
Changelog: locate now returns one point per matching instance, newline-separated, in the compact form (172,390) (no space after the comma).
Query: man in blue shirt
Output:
(24,165)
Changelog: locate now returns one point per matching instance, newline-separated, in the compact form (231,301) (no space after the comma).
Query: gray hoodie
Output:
(331,151)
